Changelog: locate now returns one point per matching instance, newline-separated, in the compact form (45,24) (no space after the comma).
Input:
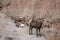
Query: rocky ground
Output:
(9,30)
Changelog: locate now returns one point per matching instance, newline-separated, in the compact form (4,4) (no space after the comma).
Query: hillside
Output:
(49,9)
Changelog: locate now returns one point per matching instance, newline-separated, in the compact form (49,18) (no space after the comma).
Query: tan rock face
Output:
(34,7)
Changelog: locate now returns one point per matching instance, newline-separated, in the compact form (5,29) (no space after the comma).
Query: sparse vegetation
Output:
(47,9)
